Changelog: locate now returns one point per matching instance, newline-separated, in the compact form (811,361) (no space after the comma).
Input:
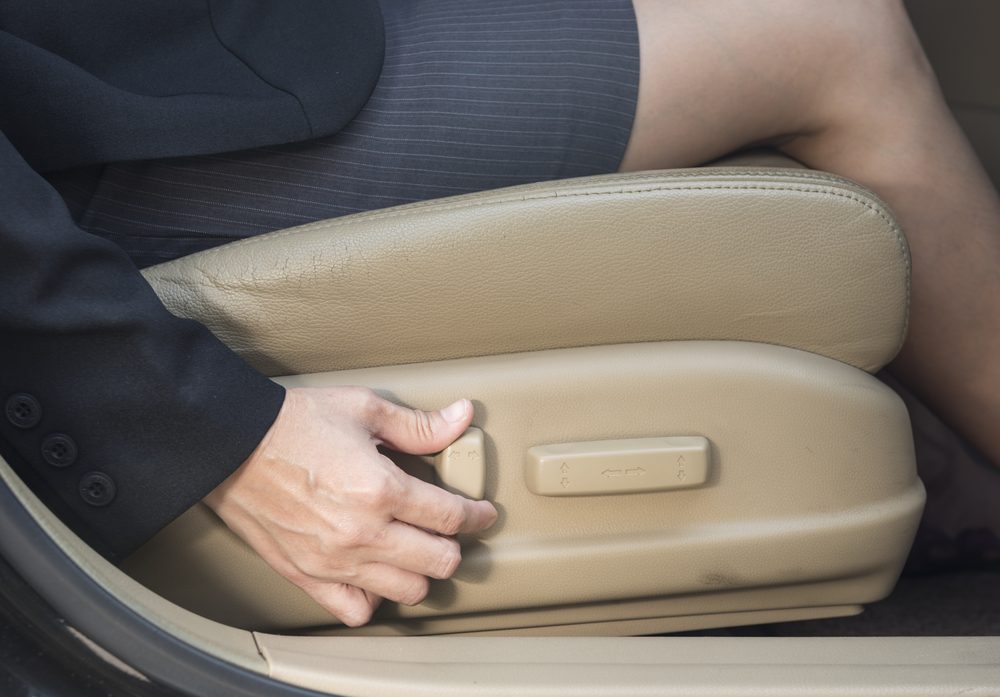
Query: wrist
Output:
(289,405)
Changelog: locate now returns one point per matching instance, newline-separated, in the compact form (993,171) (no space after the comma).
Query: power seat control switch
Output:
(618,466)
(461,466)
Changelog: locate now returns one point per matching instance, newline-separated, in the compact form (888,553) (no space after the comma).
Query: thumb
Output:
(420,432)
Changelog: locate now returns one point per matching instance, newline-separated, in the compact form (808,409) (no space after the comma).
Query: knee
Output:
(890,43)
(873,57)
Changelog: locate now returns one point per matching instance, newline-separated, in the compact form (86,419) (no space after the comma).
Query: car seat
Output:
(725,321)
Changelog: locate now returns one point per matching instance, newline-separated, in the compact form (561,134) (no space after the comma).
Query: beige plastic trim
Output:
(227,643)
(666,625)
(667,667)
(793,258)
(812,480)
(680,613)
(575,667)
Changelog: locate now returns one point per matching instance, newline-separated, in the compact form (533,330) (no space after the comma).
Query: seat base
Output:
(811,500)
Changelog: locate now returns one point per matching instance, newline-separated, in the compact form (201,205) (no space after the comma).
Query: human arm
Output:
(166,412)
(155,403)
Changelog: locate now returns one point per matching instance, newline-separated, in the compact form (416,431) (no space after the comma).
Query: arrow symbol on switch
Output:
(637,472)
(612,473)
(564,482)
(564,469)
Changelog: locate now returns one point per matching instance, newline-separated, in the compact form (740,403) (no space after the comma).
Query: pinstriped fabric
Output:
(473,95)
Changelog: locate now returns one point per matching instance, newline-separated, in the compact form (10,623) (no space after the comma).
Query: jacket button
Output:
(23,410)
(97,489)
(59,450)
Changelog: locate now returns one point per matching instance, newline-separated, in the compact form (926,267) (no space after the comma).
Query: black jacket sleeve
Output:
(119,414)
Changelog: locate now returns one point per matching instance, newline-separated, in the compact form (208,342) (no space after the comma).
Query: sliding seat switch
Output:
(618,466)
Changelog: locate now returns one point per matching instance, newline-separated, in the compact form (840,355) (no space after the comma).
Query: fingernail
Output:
(455,412)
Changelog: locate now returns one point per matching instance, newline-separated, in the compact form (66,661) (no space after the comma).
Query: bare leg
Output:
(844,87)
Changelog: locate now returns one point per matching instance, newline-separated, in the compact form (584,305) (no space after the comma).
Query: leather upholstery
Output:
(794,258)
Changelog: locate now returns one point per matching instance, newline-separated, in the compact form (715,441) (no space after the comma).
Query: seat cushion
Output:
(793,258)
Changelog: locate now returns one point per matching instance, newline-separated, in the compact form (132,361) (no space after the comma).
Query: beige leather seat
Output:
(746,307)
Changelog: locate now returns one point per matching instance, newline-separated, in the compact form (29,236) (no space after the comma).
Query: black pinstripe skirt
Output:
(474,95)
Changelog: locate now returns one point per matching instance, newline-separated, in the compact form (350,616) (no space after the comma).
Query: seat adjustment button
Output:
(97,489)
(618,466)
(59,450)
(462,465)
(23,410)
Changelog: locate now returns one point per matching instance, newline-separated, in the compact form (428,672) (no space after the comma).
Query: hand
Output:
(330,513)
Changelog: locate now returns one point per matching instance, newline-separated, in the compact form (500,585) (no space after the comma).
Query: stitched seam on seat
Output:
(567,188)
(390,214)
(439,206)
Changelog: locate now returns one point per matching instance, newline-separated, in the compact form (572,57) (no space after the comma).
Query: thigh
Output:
(473,95)
(720,75)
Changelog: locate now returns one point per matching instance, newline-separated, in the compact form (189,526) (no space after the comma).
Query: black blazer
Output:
(118,414)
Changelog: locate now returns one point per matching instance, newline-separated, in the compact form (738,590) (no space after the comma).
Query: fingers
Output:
(408,548)
(349,604)
(402,562)
(427,506)
(393,583)
(354,604)
(414,431)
